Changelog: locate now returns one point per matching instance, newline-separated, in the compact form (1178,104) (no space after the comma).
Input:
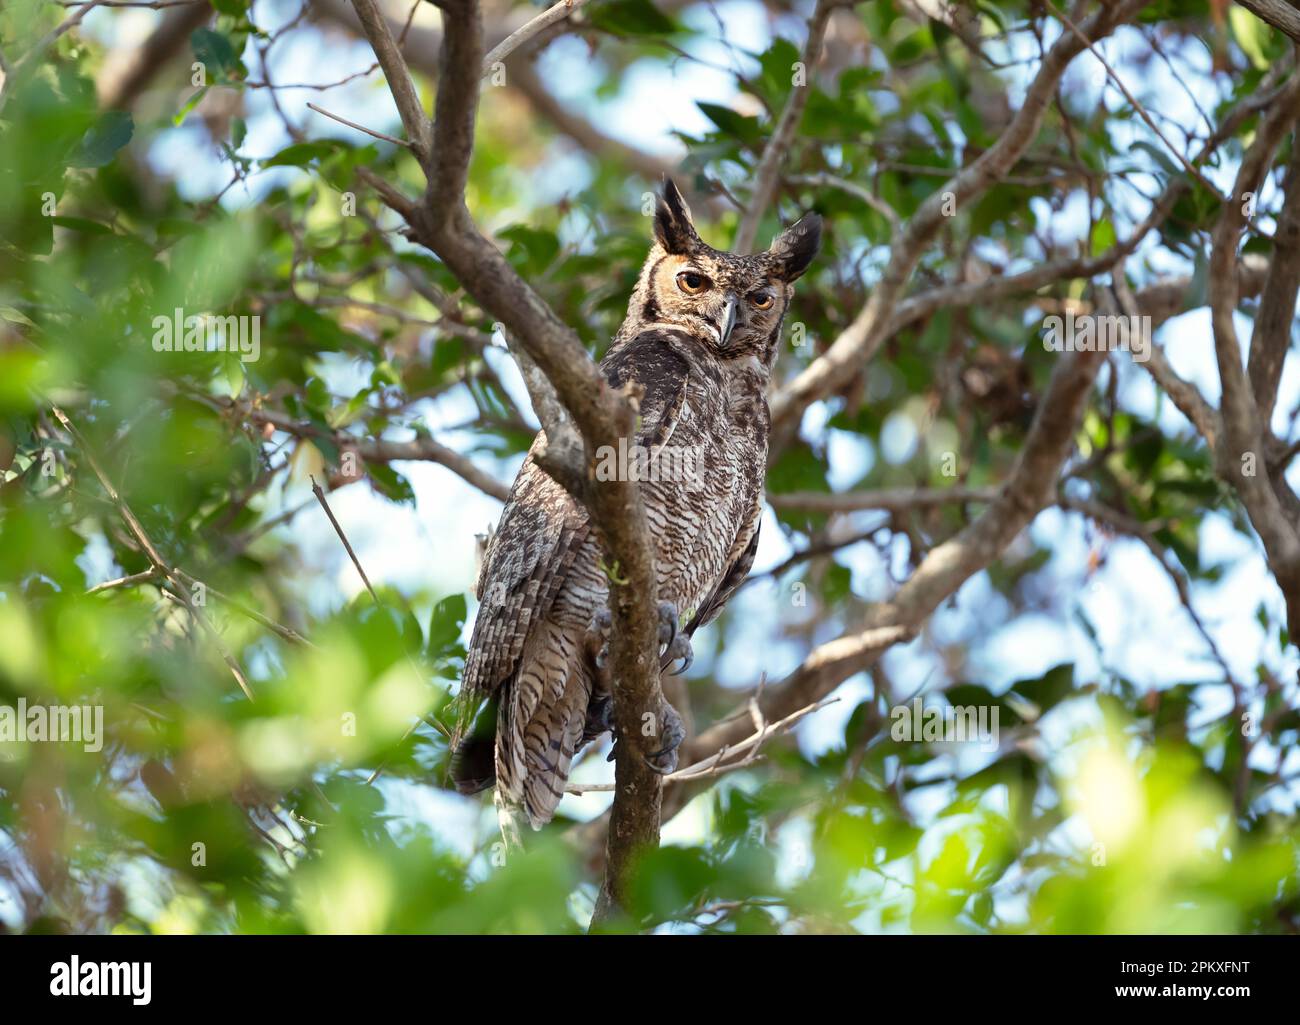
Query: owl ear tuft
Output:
(673,227)
(793,250)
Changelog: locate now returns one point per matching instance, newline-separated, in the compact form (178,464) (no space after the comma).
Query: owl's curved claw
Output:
(674,646)
(679,650)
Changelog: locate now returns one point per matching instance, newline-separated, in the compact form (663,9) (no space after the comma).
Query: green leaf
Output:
(1049,689)
(14,316)
(668,880)
(632,18)
(189,105)
(234,374)
(1103,236)
(533,249)
(1251,35)
(302,153)
(215,52)
(1160,156)
(445,626)
(83,225)
(108,135)
(730,122)
(391,484)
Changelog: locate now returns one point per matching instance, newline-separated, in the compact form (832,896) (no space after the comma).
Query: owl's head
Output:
(733,304)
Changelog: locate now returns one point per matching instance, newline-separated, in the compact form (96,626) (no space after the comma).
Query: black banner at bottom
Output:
(153,974)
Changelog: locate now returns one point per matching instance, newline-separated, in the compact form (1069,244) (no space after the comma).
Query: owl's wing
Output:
(730,582)
(541,531)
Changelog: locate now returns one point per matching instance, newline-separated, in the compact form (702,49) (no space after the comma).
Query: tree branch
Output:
(858,343)
(421,49)
(414,119)
(768,173)
(551,16)
(374,450)
(1282,15)
(1271,337)
(1242,453)
(886,499)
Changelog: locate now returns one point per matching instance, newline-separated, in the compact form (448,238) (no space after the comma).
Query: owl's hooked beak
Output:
(728,320)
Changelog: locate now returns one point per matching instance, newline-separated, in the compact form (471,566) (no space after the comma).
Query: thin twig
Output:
(361,128)
(320,497)
(712,766)
(414,118)
(853,189)
(516,39)
(131,581)
(290,635)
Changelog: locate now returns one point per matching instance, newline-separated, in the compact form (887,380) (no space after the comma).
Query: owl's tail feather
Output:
(472,766)
(541,723)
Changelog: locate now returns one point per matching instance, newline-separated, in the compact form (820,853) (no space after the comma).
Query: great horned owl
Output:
(700,338)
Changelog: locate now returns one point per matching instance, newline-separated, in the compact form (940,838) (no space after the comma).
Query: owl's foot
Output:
(600,719)
(671,734)
(668,729)
(674,646)
(598,631)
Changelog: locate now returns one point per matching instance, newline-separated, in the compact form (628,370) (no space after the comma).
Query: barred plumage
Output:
(700,339)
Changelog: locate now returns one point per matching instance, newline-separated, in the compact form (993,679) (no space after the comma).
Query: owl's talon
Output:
(600,719)
(679,650)
(673,644)
(673,733)
(602,714)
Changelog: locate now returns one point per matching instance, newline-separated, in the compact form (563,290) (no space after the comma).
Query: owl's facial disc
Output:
(731,306)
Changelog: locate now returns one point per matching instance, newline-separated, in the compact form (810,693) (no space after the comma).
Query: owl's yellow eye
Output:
(762,300)
(692,282)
